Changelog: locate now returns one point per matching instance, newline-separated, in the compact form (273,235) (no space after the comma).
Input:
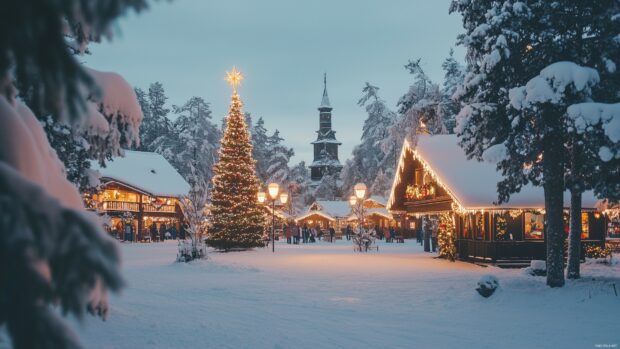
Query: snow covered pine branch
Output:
(52,251)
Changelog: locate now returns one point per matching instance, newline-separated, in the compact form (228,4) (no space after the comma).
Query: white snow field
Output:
(326,296)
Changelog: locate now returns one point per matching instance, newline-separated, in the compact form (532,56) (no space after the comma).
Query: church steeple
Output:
(325,101)
(326,145)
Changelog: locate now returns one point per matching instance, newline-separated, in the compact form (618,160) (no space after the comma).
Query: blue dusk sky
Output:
(283,47)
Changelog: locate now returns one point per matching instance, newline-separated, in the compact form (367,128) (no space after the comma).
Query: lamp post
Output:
(273,189)
(357,201)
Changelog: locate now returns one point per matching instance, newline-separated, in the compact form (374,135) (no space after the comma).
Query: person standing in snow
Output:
(426,233)
(305,233)
(162,231)
(153,231)
(349,231)
(288,232)
(434,237)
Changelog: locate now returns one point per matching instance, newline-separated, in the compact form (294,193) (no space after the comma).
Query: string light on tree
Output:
(238,218)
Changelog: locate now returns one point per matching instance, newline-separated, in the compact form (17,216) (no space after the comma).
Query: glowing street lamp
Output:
(357,201)
(273,189)
(284,198)
(360,190)
(261,197)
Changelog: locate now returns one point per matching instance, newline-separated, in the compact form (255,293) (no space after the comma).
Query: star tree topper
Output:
(234,78)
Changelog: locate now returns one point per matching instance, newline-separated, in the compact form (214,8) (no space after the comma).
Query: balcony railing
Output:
(135,207)
(164,208)
(121,206)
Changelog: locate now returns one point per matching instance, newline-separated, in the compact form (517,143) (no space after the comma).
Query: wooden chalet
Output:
(139,190)
(436,177)
(338,214)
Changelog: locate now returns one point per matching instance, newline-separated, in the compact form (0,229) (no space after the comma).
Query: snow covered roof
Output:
(326,140)
(378,199)
(336,209)
(326,162)
(472,183)
(146,171)
(310,213)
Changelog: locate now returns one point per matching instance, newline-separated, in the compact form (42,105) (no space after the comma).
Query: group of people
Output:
(427,237)
(126,232)
(296,234)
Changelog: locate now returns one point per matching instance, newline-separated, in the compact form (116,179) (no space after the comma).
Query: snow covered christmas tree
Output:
(237,217)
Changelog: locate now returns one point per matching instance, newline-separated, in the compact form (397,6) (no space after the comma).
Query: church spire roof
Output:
(325,100)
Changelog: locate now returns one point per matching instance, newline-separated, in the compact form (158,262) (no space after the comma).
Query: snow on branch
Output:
(551,84)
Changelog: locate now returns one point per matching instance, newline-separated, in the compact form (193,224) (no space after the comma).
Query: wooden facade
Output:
(130,206)
(503,235)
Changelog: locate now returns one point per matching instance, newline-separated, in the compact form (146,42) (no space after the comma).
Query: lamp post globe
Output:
(261,196)
(353,200)
(360,190)
(273,189)
(283,198)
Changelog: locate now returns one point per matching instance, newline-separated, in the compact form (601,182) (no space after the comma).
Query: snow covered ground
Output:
(327,296)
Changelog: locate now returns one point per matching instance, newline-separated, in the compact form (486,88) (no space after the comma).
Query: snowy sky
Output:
(283,47)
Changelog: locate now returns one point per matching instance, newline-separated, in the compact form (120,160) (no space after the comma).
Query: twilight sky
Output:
(283,47)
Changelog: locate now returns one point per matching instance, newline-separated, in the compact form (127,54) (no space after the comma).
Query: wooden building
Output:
(436,177)
(338,214)
(140,190)
(326,214)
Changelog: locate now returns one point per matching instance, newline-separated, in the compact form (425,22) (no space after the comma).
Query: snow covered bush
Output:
(599,253)
(537,268)
(194,207)
(487,285)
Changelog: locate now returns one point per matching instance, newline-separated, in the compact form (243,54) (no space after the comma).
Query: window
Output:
(534,226)
(585,226)
(613,228)
(480,226)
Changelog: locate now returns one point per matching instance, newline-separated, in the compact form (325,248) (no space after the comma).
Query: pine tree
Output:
(156,128)
(237,217)
(72,150)
(55,256)
(260,149)
(515,51)
(300,185)
(277,162)
(371,155)
(453,77)
(195,141)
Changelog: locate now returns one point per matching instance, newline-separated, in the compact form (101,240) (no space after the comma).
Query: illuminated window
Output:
(534,226)
(480,226)
(613,228)
(585,226)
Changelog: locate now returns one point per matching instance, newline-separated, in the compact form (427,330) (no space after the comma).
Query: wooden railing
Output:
(164,208)
(121,206)
(135,207)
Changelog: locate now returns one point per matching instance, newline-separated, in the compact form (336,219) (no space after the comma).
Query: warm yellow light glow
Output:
(360,190)
(105,205)
(284,197)
(234,78)
(273,189)
(261,196)
(353,200)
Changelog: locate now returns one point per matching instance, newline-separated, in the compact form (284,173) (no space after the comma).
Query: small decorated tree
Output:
(447,237)
(237,218)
